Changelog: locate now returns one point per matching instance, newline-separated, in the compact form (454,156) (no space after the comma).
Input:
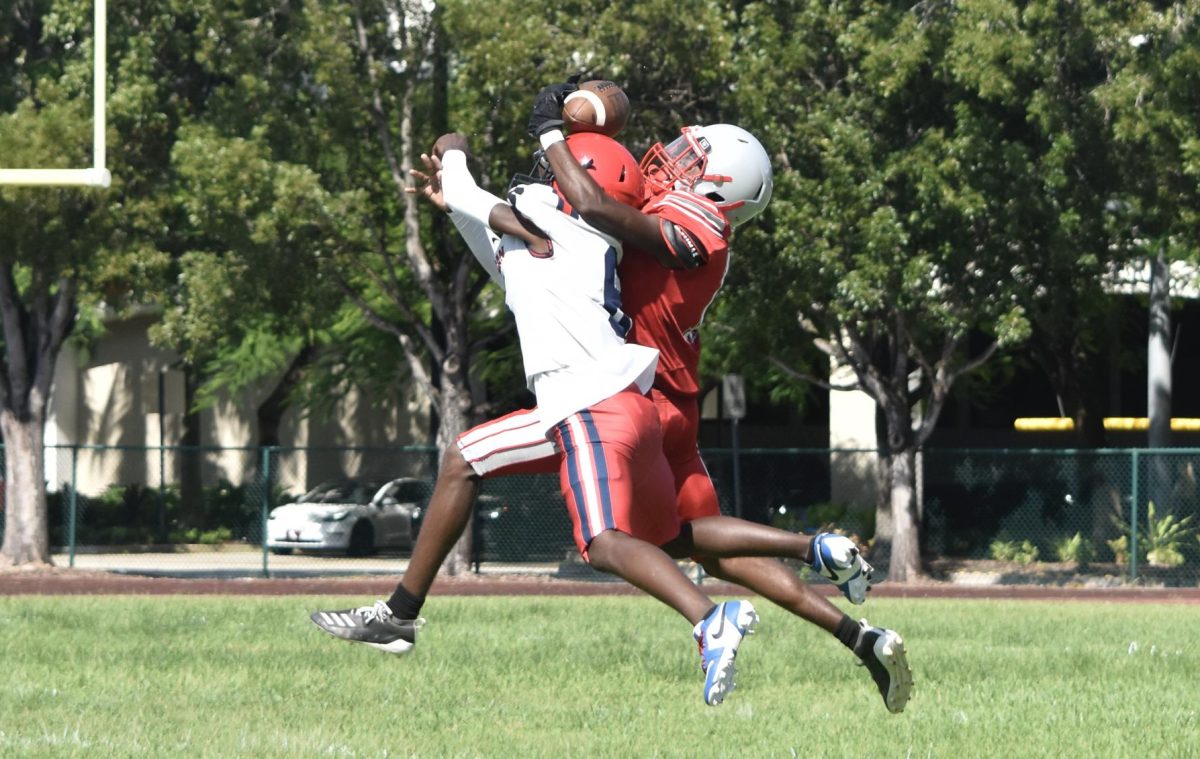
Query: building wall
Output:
(110,397)
(852,475)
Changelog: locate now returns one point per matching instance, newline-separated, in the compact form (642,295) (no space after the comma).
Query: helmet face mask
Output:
(540,173)
(722,162)
(678,165)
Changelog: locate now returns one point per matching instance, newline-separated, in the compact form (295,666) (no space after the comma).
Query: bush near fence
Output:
(1127,513)
(1063,513)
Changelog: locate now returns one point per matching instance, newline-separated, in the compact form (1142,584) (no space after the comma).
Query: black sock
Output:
(810,557)
(404,604)
(848,632)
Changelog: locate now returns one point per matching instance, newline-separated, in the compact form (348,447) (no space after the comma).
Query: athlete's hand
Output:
(429,182)
(451,141)
(547,107)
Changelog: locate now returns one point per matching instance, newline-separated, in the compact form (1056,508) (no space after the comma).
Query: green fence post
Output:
(1133,515)
(266,508)
(73,505)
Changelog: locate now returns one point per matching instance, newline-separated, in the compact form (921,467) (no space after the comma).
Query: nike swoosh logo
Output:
(721,627)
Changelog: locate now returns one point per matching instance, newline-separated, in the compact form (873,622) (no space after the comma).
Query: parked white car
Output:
(356,517)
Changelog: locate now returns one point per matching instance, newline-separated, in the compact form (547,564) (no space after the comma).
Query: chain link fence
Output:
(1063,516)
(1124,515)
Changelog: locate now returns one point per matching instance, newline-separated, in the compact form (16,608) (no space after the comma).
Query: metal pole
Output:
(1135,498)
(264,512)
(73,504)
(162,455)
(737,473)
(99,91)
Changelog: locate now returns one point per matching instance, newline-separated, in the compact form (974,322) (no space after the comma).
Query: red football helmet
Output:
(612,166)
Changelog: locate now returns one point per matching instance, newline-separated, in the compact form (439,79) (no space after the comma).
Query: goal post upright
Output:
(98,175)
(99,92)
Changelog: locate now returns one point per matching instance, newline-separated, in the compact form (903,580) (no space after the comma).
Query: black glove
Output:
(547,107)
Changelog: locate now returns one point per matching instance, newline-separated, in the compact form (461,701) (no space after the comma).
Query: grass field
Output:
(587,677)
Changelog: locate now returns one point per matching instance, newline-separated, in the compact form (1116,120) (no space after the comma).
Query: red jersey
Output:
(667,305)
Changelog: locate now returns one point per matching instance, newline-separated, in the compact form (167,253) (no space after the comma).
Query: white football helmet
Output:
(722,162)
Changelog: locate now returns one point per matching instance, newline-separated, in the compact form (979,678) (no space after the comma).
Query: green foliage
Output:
(197,536)
(1160,539)
(1164,537)
(1023,553)
(1076,550)
(828,516)
(947,176)
(1120,549)
(788,519)
(133,514)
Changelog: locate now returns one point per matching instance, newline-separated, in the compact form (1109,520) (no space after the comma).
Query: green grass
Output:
(587,677)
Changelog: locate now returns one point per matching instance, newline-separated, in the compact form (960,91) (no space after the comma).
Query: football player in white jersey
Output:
(516,443)
(590,386)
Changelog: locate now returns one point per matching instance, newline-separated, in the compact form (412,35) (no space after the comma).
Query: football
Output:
(597,106)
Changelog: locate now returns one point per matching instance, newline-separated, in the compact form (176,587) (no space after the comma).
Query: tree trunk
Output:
(454,409)
(900,453)
(1158,354)
(26,534)
(33,335)
(190,459)
(881,546)
(271,410)
(906,523)
(1158,381)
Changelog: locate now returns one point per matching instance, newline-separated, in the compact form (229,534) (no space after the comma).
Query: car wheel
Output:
(362,540)
(282,551)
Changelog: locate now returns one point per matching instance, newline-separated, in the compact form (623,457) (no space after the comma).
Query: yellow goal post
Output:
(97,175)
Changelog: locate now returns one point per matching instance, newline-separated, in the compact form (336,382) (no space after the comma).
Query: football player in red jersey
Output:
(702,184)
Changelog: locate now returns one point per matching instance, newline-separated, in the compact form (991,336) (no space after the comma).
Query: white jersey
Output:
(567,306)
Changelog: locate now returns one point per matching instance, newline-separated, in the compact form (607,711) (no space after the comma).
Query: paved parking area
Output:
(253,563)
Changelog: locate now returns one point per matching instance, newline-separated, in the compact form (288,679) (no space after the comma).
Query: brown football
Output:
(597,106)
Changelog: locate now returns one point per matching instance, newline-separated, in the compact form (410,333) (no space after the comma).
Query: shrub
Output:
(1023,553)
(1076,550)
(1002,550)
(1162,538)
(1120,549)
(202,537)
(785,518)
(827,516)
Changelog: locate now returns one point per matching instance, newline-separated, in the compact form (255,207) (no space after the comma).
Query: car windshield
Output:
(334,492)
(411,491)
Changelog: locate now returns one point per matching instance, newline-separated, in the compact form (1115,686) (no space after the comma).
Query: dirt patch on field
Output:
(57,581)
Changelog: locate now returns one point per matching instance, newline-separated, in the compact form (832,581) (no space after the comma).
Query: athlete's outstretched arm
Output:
(483,242)
(463,196)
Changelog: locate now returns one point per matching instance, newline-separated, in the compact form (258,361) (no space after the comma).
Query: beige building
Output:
(110,398)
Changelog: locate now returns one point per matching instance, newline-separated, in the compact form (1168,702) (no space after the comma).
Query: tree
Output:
(350,92)
(1150,95)
(63,248)
(906,188)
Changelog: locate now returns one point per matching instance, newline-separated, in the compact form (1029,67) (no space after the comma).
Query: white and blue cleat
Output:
(719,635)
(837,559)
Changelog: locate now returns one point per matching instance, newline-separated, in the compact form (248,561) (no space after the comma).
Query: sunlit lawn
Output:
(587,677)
